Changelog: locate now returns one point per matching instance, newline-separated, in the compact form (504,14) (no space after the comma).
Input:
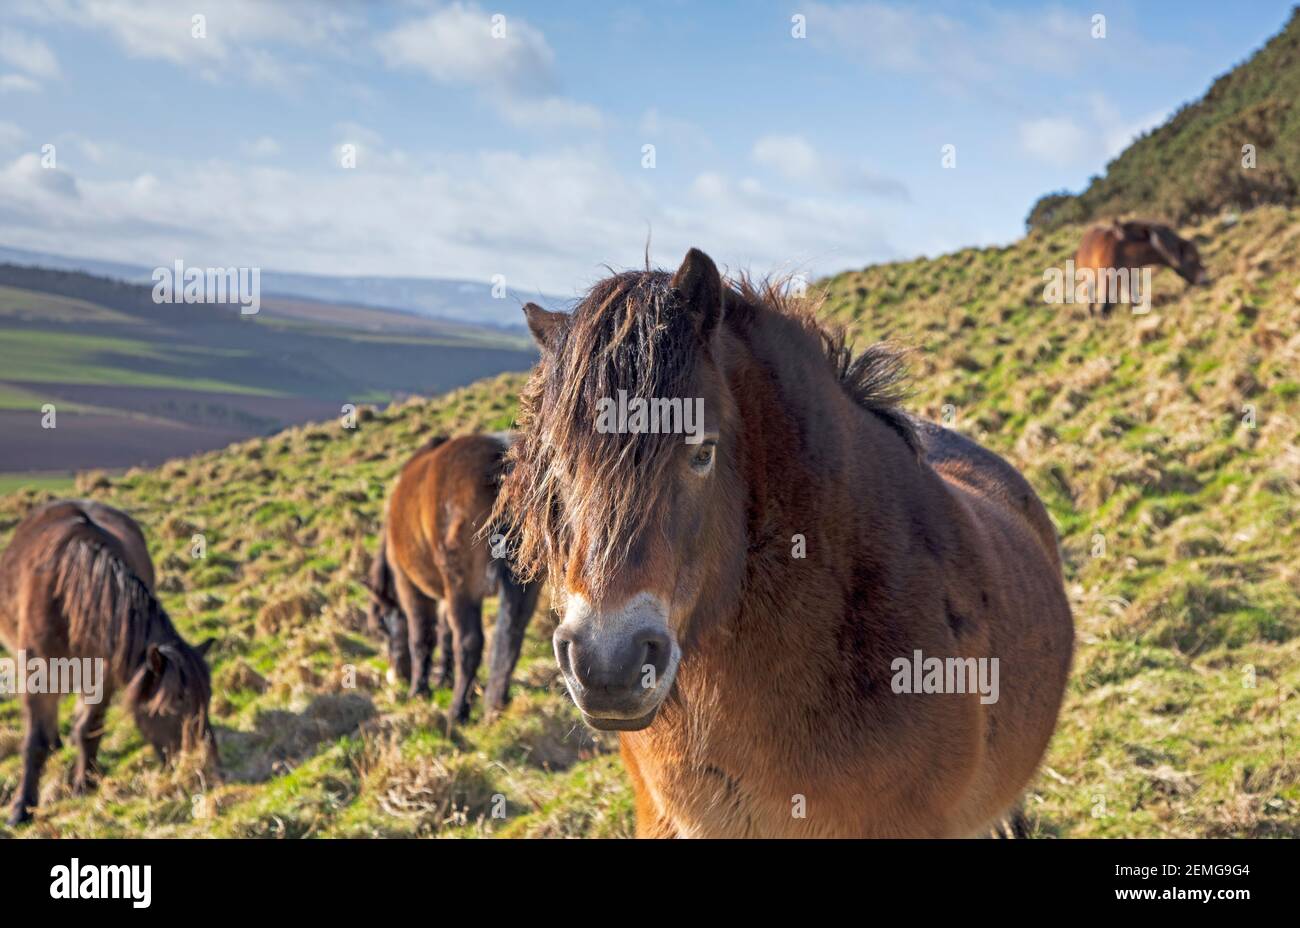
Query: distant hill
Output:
(135,382)
(1191,167)
(465,301)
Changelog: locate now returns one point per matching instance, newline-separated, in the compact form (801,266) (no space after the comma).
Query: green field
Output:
(57,484)
(12,397)
(137,382)
(66,357)
(16,303)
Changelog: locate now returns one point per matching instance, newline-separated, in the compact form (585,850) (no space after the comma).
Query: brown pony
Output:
(438,560)
(739,604)
(76,583)
(1117,246)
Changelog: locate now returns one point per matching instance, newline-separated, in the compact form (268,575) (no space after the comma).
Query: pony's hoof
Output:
(84,784)
(20,817)
(494,707)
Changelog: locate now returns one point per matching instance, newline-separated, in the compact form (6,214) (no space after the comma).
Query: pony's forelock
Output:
(568,484)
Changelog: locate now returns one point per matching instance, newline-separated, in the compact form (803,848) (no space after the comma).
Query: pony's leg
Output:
(87,731)
(399,654)
(514,610)
(1014,822)
(447,661)
(41,718)
(420,620)
(467,635)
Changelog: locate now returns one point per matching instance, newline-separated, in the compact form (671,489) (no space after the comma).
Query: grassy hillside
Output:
(1180,527)
(288,523)
(1191,167)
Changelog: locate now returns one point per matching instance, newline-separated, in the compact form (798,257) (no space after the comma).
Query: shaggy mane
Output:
(630,332)
(112,613)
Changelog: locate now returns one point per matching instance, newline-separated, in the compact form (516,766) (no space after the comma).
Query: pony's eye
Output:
(702,459)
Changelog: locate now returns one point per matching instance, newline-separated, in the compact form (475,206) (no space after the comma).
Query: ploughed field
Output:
(1166,446)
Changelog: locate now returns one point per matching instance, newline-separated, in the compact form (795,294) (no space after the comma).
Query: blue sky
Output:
(521,154)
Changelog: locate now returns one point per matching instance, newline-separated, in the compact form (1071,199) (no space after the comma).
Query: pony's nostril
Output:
(562,655)
(655,651)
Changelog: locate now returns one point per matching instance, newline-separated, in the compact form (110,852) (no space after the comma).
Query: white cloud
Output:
(549,113)
(10,135)
(996,51)
(546,221)
(263,147)
(899,38)
(93,152)
(790,155)
(509,63)
(456,45)
(1095,133)
(17,83)
(794,158)
(1057,140)
(28,54)
(661,128)
(235,37)
(26,181)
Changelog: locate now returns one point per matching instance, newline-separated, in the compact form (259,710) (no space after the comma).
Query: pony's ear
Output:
(543,324)
(155,658)
(1162,248)
(700,286)
(205,647)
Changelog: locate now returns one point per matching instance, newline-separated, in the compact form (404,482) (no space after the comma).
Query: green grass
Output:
(17,303)
(15,398)
(1181,714)
(456,335)
(65,357)
(57,484)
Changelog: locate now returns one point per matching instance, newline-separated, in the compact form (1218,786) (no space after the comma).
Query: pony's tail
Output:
(110,611)
(379,584)
(433,442)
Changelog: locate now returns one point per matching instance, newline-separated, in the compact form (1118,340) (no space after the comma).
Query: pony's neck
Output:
(829,462)
(152,626)
(828,486)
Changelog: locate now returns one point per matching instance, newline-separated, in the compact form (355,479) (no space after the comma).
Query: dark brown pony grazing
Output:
(76,583)
(739,608)
(1117,246)
(436,563)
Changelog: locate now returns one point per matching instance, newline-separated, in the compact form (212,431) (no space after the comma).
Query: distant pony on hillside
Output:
(1114,247)
(435,565)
